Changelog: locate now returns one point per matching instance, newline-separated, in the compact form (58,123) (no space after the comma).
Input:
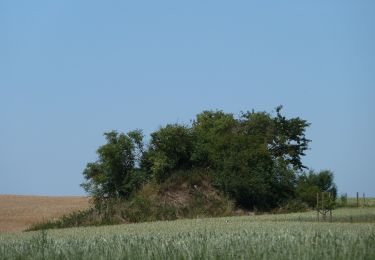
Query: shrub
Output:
(294,205)
(170,149)
(309,184)
(114,174)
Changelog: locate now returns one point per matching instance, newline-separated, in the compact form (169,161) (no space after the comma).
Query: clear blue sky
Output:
(71,70)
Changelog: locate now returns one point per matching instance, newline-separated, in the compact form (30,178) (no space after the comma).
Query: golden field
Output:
(18,212)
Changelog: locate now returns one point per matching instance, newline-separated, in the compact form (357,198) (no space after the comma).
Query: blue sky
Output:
(71,70)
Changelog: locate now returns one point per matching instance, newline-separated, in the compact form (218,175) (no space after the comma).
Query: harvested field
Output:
(18,212)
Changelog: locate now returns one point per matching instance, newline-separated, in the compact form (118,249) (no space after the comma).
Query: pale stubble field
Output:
(18,212)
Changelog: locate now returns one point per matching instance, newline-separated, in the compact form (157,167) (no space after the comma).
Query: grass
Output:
(368,202)
(340,215)
(289,236)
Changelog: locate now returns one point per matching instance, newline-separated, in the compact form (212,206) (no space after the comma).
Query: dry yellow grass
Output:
(18,212)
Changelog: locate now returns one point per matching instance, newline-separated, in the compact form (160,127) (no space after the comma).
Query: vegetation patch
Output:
(178,197)
(281,236)
(213,167)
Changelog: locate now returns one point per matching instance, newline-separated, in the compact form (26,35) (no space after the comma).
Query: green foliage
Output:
(139,209)
(185,194)
(309,184)
(170,149)
(254,158)
(114,174)
(212,131)
(74,219)
(289,140)
(291,206)
(343,200)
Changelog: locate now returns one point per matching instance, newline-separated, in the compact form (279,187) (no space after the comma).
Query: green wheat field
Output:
(351,235)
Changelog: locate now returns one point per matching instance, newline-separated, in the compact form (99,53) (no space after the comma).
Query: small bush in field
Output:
(291,207)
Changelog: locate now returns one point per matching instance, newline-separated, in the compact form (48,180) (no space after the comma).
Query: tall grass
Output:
(246,237)
(351,202)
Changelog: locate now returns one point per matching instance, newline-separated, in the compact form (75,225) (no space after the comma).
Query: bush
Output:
(170,150)
(291,206)
(343,200)
(74,219)
(254,159)
(187,194)
(114,174)
(309,184)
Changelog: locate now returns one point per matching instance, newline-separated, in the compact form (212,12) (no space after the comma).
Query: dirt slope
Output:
(18,212)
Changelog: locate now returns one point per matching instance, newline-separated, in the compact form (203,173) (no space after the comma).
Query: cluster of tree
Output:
(255,158)
(311,183)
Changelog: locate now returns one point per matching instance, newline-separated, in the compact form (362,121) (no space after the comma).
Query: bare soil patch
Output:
(18,212)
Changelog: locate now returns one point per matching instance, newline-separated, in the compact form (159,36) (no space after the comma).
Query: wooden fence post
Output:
(317,205)
(357,199)
(364,200)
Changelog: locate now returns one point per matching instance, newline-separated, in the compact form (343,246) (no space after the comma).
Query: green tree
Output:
(116,173)
(289,139)
(169,150)
(309,184)
(254,158)
(213,132)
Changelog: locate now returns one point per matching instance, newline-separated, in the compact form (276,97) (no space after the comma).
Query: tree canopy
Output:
(309,184)
(113,174)
(255,158)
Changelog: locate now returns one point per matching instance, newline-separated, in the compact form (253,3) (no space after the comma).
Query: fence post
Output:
(330,206)
(317,205)
(357,199)
(323,210)
(330,215)
(364,200)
